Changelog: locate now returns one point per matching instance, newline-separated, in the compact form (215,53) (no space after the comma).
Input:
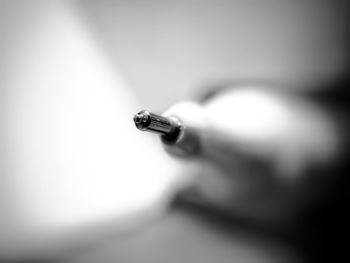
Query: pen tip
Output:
(142,119)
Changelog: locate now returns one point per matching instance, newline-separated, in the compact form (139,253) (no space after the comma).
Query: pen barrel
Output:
(260,153)
(290,133)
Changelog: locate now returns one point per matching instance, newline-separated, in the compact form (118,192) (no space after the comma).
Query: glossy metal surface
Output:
(167,127)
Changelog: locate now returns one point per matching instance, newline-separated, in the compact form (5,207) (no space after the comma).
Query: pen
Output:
(247,123)
(254,147)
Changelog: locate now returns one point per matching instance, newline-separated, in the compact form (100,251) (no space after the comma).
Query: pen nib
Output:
(141,119)
(147,121)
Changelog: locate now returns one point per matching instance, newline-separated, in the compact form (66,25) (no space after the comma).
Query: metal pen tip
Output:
(142,119)
(167,127)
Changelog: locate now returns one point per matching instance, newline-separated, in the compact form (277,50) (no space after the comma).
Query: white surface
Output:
(70,154)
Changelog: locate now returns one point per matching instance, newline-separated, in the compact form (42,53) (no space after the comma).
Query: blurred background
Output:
(78,182)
